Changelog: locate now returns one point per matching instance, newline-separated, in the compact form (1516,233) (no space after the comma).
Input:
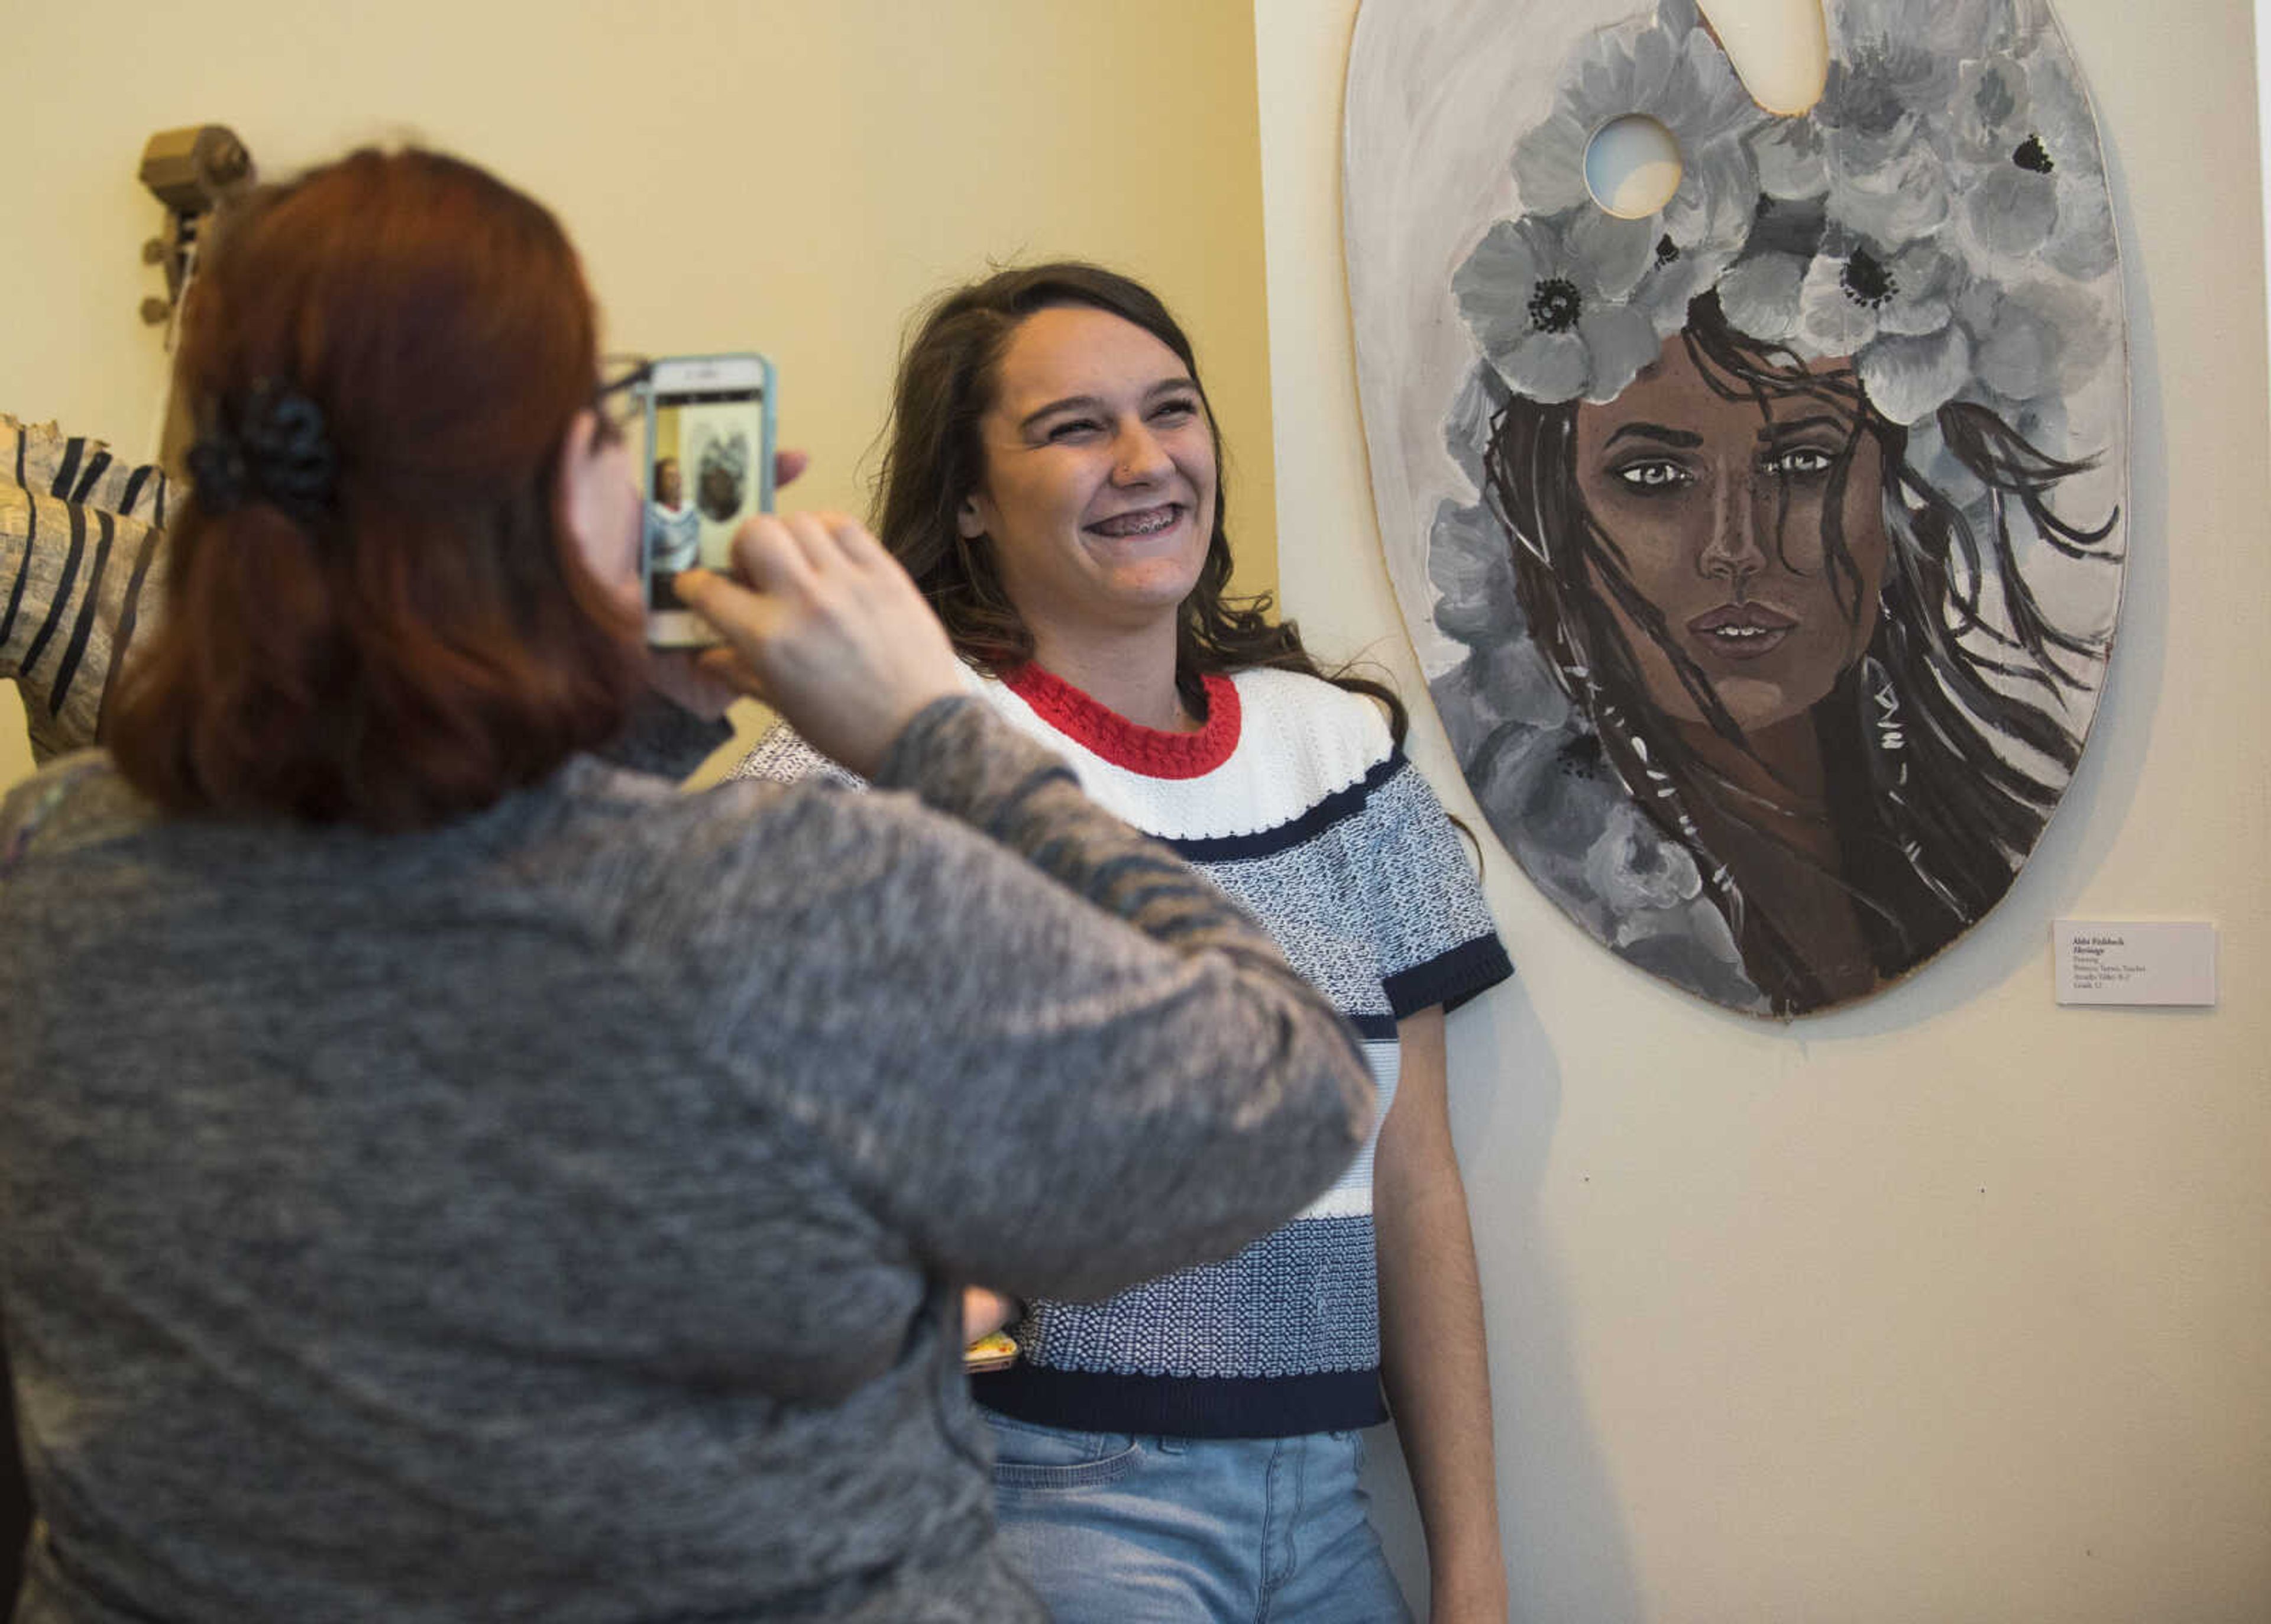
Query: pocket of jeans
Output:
(1028,1455)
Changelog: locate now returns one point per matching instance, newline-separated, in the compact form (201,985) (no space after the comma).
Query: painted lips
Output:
(1742,630)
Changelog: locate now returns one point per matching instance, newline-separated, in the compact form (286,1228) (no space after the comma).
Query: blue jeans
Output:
(1116,1529)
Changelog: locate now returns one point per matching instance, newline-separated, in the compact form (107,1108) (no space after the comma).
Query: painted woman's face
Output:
(1715,509)
(1100,490)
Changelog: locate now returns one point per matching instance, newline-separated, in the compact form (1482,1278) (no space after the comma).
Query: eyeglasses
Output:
(621,397)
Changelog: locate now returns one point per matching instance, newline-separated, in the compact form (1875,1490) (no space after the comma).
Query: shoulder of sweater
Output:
(1294,705)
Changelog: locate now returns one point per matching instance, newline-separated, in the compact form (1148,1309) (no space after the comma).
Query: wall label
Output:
(2135,962)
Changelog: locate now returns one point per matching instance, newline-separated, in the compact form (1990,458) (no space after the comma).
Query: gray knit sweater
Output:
(559,1215)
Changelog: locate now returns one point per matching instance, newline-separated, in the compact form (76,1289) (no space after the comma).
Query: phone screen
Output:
(710,466)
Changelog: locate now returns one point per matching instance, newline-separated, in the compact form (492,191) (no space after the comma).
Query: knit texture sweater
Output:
(1293,799)
(552,1216)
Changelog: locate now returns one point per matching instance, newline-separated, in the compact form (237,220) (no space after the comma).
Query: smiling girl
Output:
(1188,1448)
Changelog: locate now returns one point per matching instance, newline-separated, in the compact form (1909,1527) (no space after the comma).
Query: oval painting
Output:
(1762,551)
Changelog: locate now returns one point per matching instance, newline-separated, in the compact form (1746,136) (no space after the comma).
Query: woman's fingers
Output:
(861,548)
(744,617)
(813,536)
(824,624)
(767,554)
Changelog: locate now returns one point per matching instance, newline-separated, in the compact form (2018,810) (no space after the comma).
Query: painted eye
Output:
(1800,461)
(1652,475)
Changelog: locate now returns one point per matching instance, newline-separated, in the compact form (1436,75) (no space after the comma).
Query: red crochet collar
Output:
(1148,751)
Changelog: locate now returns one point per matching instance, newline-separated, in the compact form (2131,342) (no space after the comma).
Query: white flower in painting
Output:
(1556,320)
(1895,315)
(1676,277)
(1474,412)
(1471,562)
(1991,108)
(1673,71)
(1855,291)
(1910,376)
(1882,173)
(1884,83)
(2028,169)
(1760,292)
(1791,158)
(1632,868)
(1902,194)
(2033,342)
(1892,73)
(1940,28)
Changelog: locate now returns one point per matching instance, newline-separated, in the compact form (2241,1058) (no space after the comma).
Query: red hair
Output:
(430,639)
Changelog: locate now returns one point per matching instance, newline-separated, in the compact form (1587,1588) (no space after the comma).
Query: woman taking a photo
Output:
(1051,484)
(446,1175)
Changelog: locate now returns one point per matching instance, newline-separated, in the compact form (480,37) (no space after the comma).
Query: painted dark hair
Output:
(423,639)
(934,458)
(1932,817)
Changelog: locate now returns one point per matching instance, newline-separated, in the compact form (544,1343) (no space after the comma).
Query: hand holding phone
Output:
(677,673)
(708,467)
(825,626)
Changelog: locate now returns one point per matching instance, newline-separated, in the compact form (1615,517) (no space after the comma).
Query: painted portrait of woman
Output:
(1771,563)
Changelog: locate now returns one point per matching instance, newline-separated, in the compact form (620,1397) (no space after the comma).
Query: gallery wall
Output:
(1952,1306)
(789,174)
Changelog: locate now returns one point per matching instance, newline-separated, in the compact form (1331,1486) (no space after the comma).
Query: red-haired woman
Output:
(445,1174)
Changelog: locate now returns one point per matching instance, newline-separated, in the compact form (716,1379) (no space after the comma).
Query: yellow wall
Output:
(792,175)
(1953,1307)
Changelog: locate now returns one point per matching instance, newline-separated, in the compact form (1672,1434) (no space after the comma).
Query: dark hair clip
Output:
(274,448)
(216,472)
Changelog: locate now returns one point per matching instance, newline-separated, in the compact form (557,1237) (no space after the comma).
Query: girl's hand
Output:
(983,1313)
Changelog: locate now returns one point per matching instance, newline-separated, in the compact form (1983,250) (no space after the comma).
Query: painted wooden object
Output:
(1762,552)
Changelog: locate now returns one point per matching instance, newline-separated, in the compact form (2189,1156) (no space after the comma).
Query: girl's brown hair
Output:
(423,637)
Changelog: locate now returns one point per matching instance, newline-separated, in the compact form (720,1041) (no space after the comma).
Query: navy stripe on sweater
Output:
(1185,1407)
(1340,804)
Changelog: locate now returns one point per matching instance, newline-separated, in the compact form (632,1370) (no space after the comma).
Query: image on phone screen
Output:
(710,466)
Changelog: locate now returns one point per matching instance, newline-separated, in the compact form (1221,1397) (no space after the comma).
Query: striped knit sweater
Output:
(1295,801)
(81,556)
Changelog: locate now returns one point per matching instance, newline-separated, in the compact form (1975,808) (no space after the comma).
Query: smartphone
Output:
(709,465)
